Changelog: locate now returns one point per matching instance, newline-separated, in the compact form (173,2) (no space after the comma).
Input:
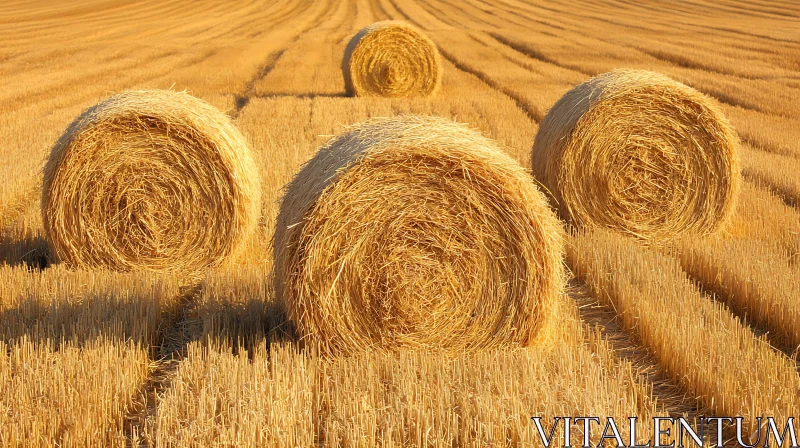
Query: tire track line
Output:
(243,99)
(724,99)
(675,399)
(534,54)
(180,326)
(378,12)
(531,112)
(785,193)
(719,96)
(717,294)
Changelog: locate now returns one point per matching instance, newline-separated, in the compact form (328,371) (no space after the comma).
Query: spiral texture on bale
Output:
(391,59)
(637,152)
(417,232)
(152,180)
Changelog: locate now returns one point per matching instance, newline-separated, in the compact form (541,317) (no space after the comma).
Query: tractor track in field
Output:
(534,54)
(717,94)
(532,112)
(776,341)
(180,327)
(675,399)
(672,398)
(243,99)
(783,193)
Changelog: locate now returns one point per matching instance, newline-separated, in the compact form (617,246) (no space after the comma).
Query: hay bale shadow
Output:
(244,325)
(31,251)
(94,317)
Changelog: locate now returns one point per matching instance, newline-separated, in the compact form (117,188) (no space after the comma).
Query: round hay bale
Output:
(391,59)
(417,232)
(637,152)
(153,180)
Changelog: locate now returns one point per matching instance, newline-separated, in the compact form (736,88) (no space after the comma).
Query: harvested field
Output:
(694,326)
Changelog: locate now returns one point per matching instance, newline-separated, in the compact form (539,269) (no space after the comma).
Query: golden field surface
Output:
(93,358)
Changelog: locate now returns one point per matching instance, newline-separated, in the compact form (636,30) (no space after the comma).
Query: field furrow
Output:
(693,336)
(698,326)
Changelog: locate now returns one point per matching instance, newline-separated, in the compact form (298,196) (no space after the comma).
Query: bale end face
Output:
(417,232)
(153,180)
(640,153)
(391,59)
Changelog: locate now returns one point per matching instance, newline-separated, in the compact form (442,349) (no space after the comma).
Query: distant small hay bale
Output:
(417,232)
(635,151)
(153,180)
(391,59)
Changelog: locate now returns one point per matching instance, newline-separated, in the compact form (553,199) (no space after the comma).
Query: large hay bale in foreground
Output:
(417,232)
(391,59)
(635,151)
(155,180)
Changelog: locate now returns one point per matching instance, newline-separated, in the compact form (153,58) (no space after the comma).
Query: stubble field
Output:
(94,358)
